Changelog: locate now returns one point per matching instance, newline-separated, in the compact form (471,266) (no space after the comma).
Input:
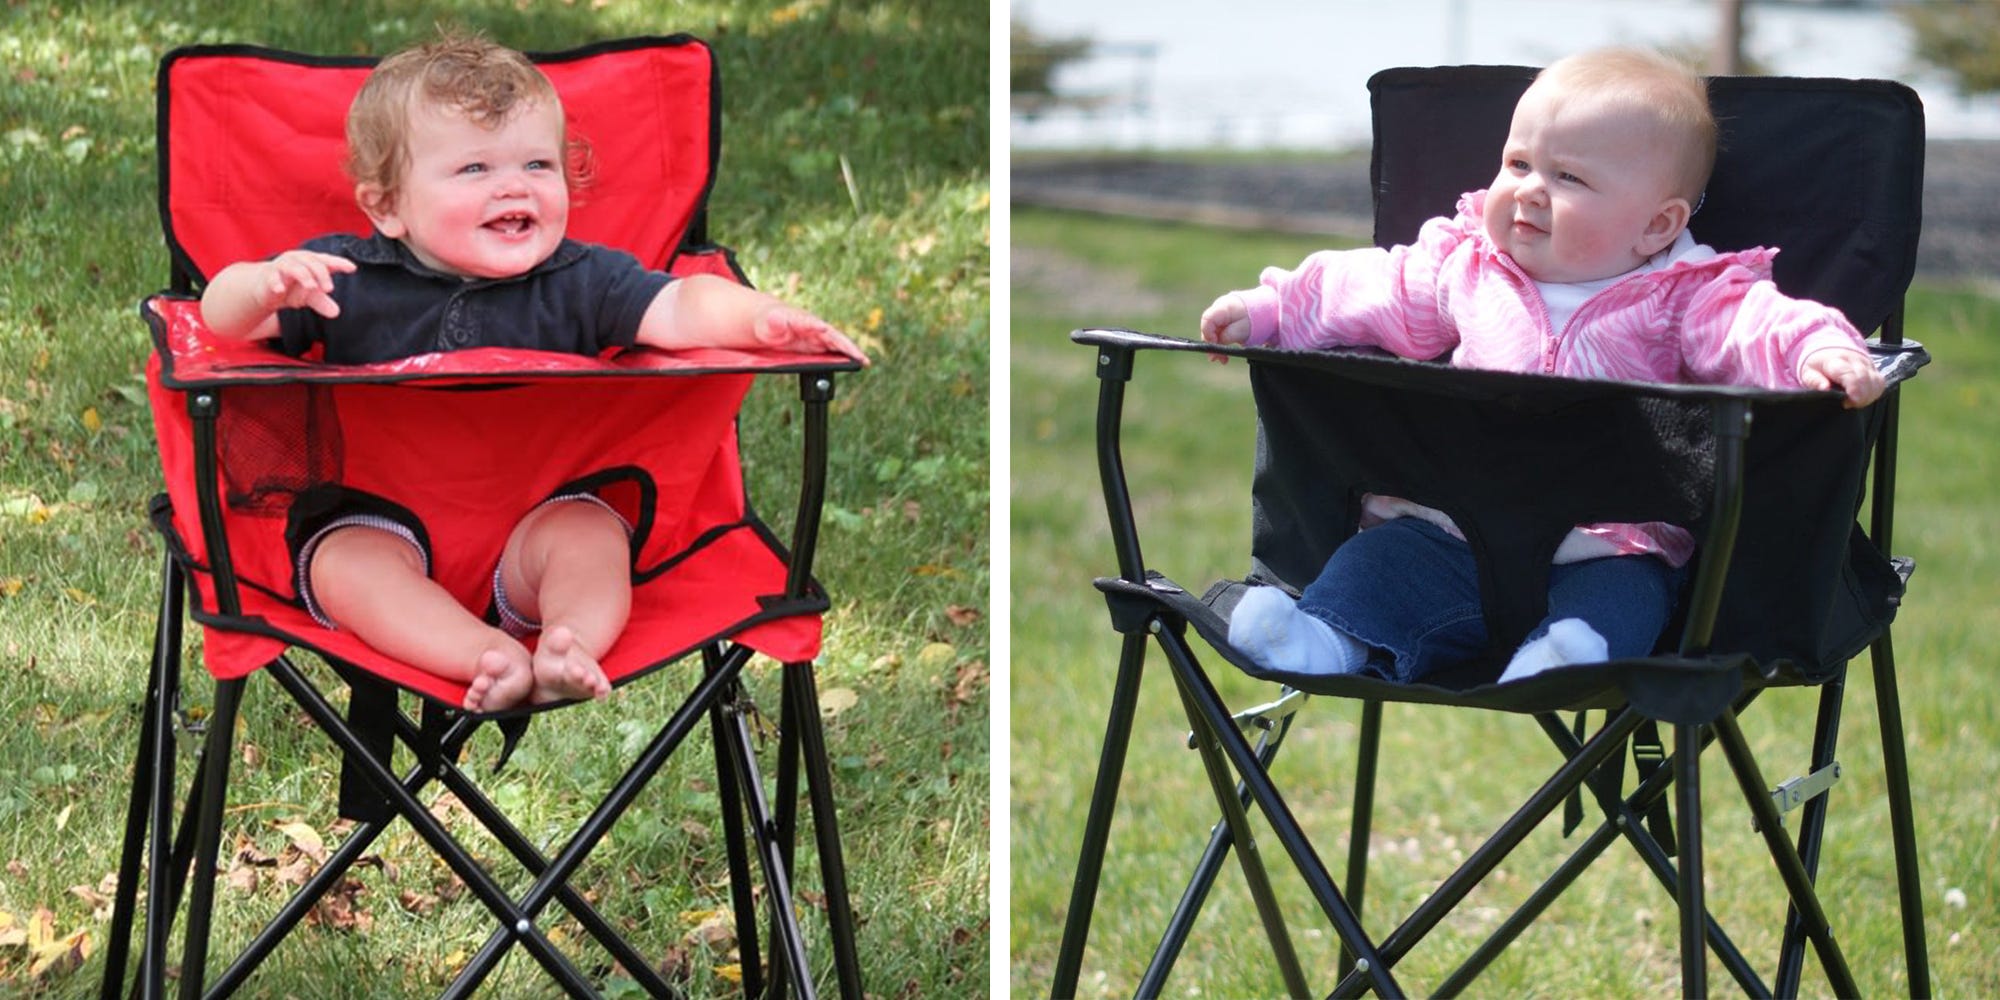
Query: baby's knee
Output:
(573,527)
(581,515)
(359,554)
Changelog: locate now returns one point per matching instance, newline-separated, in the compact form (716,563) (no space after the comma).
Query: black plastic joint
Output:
(202,403)
(1114,363)
(1132,614)
(816,387)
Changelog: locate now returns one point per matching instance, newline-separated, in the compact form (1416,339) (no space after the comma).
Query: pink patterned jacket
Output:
(1701,317)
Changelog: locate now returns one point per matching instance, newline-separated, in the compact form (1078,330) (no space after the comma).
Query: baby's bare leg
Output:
(568,566)
(372,583)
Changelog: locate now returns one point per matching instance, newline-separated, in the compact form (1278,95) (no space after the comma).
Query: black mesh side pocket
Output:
(277,442)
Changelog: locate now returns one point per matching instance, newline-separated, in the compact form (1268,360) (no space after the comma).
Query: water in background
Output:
(1175,74)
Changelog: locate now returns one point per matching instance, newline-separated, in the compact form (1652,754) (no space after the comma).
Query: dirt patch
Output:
(1084,289)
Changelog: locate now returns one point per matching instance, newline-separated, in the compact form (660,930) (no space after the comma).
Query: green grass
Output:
(900,257)
(1448,777)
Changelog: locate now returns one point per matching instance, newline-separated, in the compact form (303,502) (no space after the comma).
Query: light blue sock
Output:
(1567,642)
(1269,626)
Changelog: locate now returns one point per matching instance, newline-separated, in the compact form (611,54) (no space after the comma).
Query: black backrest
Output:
(1828,171)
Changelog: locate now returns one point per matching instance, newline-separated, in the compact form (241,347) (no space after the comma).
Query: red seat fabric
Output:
(251,150)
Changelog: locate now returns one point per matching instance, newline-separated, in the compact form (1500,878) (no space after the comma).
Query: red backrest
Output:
(252,141)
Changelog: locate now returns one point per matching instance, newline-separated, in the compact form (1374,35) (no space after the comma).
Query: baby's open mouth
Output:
(512,225)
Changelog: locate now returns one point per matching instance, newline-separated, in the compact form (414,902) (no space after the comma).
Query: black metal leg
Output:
(1792,870)
(786,805)
(516,918)
(826,828)
(442,768)
(1371,964)
(1249,858)
(160,894)
(1902,817)
(1097,827)
(730,800)
(1477,866)
(1368,751)
(516,921)
(215,755)
(148,784)
(1203,878)
(1622,817)
(789,945)
(352,847)
(118,947)
(1812,833)
(1691,896)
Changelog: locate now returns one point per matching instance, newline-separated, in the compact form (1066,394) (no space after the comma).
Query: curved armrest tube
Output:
(190,359)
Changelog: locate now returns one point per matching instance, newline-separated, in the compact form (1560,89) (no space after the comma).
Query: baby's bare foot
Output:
(563,669)
(502,682)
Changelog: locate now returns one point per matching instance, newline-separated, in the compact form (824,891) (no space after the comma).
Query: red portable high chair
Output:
(250,152)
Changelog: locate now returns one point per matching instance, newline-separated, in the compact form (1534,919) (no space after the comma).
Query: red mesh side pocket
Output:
(277,442)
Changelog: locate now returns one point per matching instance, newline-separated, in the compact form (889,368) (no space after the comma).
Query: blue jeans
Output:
(1409,588)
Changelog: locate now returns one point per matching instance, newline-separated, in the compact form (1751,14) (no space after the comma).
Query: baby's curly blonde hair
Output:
(471,75)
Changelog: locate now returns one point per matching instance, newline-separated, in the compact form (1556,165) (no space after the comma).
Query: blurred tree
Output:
(1032,61)
(1727,57)
(1961,37)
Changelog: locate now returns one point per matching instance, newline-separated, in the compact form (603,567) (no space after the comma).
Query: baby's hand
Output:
(1225,321)
(1850,371)
(789,328)
(303,279)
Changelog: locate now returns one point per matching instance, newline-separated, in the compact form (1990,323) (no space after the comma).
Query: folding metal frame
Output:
(1697,690)
(173,854)
(176,857)
(1148,608)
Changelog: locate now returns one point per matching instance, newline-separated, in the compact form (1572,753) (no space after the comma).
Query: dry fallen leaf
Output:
(100,903)
(961,615)
(340,910)
(713,929)
(242,878)
(835,700)
(49,953)
(972,678)
(305,838)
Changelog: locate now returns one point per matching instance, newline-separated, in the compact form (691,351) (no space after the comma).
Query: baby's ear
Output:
(380,206)
(1665,226)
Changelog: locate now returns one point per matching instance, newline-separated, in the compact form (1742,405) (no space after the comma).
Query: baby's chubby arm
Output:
(703,310)
(242,301)
(1852,372)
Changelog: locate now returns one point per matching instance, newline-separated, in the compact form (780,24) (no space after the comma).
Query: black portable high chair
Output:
(1786,587)
(250,147)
